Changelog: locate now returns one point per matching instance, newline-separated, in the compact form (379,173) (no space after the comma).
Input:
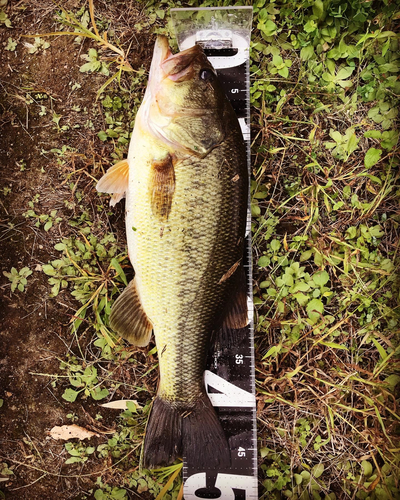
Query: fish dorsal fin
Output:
(129,319)
(115,181)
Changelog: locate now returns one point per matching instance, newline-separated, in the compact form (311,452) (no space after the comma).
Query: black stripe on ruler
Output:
(233,81)
(235,363)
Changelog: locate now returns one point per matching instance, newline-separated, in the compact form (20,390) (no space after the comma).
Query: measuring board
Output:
(224,33)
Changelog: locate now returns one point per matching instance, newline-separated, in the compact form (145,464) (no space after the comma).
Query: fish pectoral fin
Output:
(128,318)
(115,181)
(162,186)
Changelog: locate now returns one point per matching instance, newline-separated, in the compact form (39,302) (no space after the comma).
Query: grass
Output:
(325,204)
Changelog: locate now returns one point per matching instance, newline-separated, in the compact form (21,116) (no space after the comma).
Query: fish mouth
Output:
(179,67)
(176,67)
(162,51)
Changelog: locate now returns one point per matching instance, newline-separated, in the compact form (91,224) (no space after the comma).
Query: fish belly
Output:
(180,261)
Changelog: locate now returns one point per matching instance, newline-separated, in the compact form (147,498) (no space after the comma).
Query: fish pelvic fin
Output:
(115,181)
(181,430)
(128,318)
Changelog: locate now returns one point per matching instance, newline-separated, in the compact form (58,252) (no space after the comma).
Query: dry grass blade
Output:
(168,484)
(91,10)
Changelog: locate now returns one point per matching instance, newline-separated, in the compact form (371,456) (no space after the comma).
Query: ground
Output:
(35,328)
(325,204)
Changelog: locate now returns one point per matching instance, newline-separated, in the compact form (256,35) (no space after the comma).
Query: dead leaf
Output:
(66,432)
(121,404)
(374,484)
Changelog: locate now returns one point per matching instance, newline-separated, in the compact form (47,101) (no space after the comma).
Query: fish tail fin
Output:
(204,441)
(176,430)
(163,438)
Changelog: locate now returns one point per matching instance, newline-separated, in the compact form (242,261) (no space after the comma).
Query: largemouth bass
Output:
(186,187)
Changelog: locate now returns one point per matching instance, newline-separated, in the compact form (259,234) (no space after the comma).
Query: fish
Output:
(185,181)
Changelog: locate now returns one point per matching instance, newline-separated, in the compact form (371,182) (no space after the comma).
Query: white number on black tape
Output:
(225,483)
(228,395)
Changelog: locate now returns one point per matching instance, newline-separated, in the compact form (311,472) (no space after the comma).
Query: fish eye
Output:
(207,75)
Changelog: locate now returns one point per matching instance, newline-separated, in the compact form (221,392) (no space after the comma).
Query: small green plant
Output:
(11,45)
(340,78)
(110,493)
(344,145)
(4,18)
(18,278)
(78,452)
(280,66)
(37,45)
(22,163)
(376,484)
(72,416)
(5,471)
(79,23)
(47,220)
(93,64)
(84,380)
(384,114)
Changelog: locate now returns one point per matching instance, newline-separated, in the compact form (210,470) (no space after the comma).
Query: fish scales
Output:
(179,262)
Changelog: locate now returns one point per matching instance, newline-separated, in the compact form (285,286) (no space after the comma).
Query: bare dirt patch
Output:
(36,90)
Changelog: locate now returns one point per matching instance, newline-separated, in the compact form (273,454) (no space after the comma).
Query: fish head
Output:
(185,101)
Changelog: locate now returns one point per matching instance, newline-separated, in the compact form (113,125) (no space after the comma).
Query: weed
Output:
(45,220)
(18,278)
(11,45)
(80,26)
(72,416)
(93,63)
(344,145)
(109,493)
(79,453)
(37,45)
(84,380)
(4,19)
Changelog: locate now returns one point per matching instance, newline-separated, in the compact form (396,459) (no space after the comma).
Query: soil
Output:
(35,332)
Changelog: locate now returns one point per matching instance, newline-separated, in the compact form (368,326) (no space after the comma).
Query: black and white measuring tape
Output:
(224,34)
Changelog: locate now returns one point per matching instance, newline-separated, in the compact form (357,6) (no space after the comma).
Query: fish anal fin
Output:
(128,318)
(115,181)
(162,186)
